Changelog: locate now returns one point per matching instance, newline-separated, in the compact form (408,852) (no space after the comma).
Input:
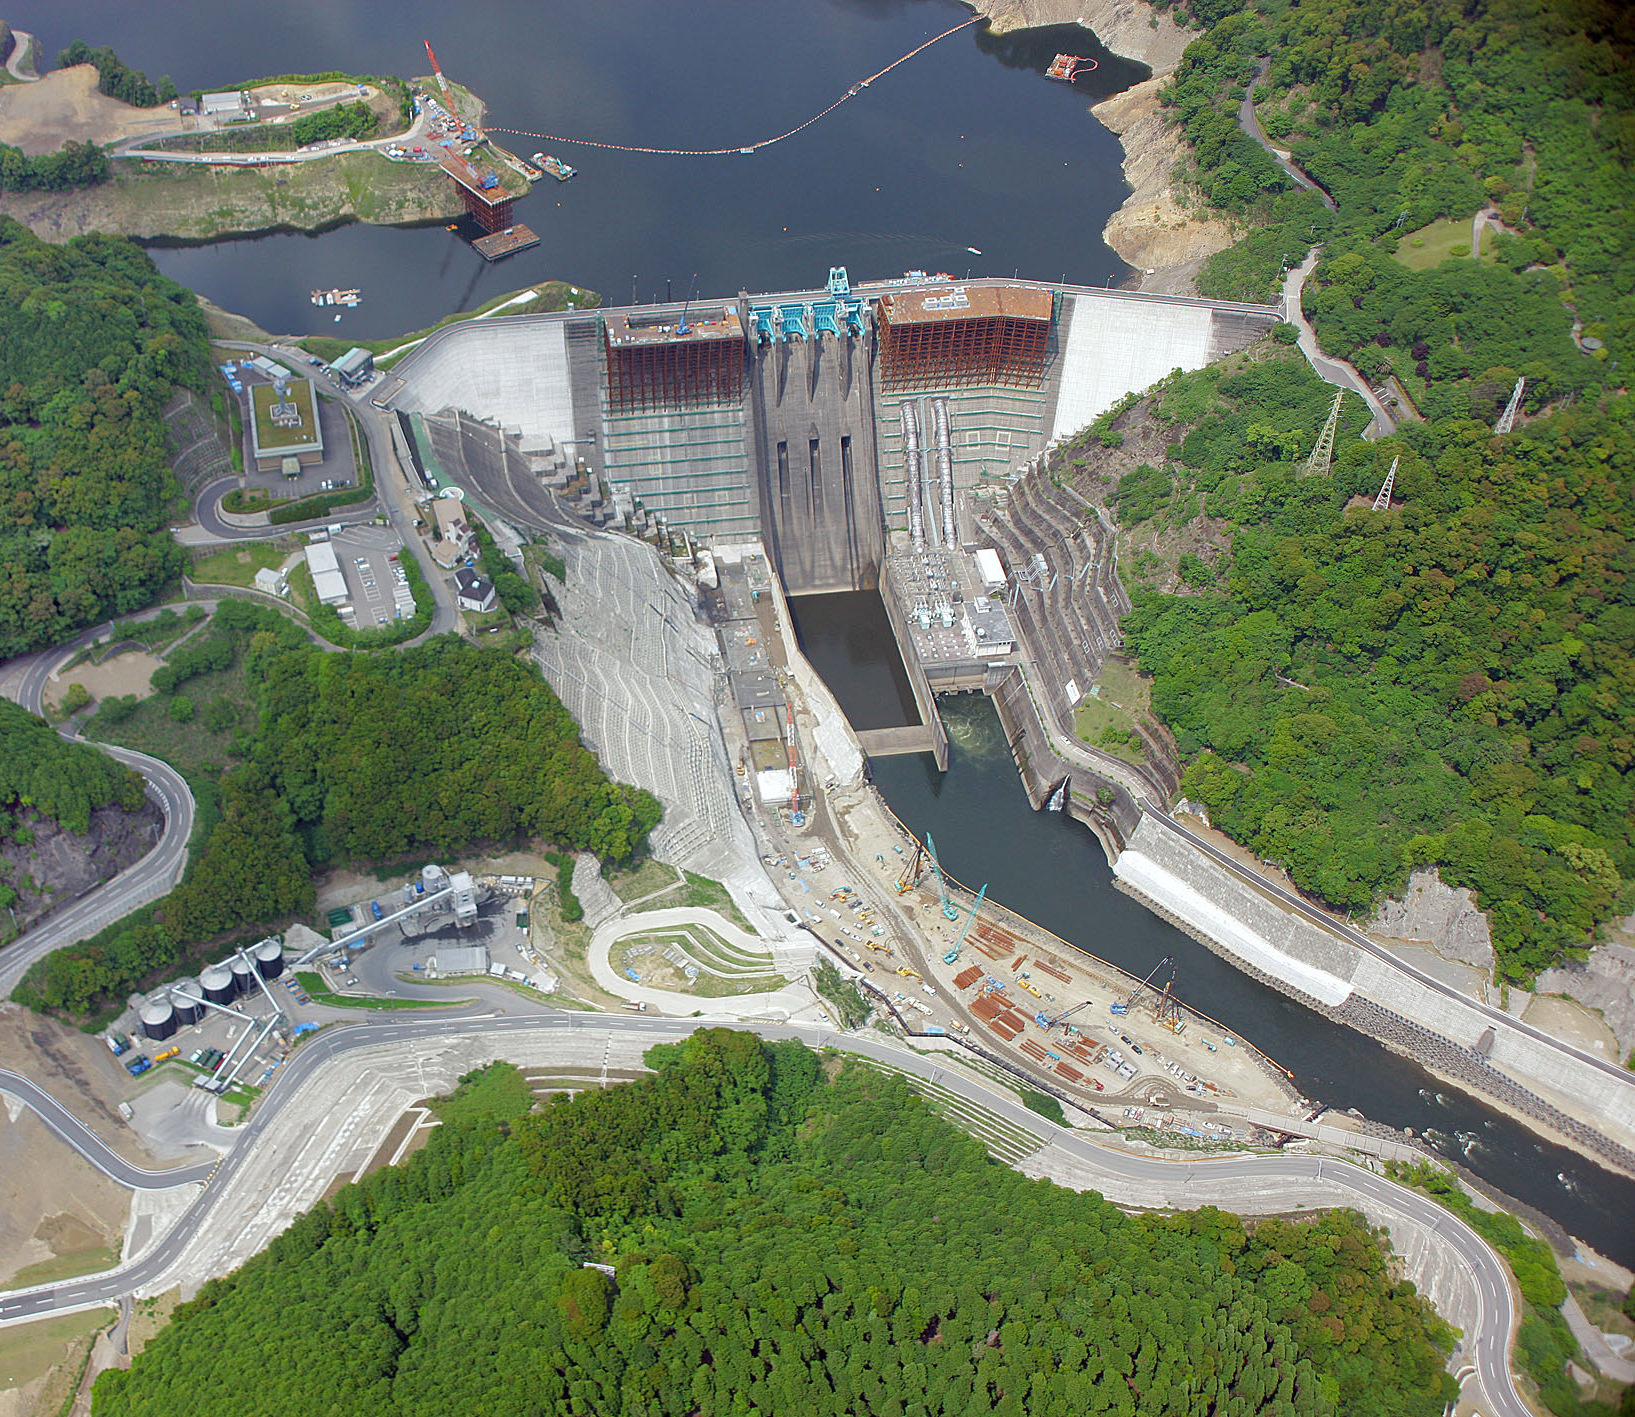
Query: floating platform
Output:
(1068,67)
(506,243)
(555,166)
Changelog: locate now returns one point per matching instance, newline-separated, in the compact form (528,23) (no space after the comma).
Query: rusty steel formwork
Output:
(983,350)
(491,215)
(674,373)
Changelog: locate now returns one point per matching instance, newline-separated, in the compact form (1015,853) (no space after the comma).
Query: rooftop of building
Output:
(271,437)
(966,302)
(664,326)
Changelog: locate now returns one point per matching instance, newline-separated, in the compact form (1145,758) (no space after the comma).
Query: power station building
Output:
(818,422)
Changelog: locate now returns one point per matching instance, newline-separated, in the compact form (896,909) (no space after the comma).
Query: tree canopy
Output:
(779,1242)
(93,341)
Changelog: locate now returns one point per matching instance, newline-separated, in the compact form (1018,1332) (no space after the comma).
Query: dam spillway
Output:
(778,418)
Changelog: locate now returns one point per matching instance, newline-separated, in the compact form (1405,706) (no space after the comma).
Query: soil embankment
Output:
(1153,231)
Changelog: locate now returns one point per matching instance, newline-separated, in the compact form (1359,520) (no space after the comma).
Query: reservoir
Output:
(967,145)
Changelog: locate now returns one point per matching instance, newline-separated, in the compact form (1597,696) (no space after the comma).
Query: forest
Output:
(776,1235)
(116,78)
(1447,683)
(93,341)
(355,759)
(1405,112)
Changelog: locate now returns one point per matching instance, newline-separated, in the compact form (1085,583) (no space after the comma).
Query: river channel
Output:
(966,145)
(1051,869)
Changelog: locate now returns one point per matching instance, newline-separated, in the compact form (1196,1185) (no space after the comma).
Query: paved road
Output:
(1332,371)
(89,1145)
(136,885)
(1223,1182)
(1379,952)
(18,51)
(1249,121)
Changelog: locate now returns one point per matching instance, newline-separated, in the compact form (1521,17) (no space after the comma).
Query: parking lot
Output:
(374,576)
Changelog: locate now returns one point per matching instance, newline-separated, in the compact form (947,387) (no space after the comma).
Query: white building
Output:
(328,580)
(272,582)
(473,592)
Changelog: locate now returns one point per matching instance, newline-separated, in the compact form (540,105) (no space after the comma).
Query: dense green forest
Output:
(1406,112)
(92,342)
(72,165)
(780,1242)
(1450,683)
(352,758)
(1446,683)
(116,78)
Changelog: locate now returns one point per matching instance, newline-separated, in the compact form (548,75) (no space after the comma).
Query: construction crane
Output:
(683,329)
(914,872)
(1140,989)
(952,957)
(1049,1023)
(442,83)
(1168,1007)
(950,911)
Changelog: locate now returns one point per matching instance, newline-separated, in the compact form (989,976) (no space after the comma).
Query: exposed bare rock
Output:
(1442,916)
(1125,26)
(58,866)
(1605,982)
(1152,230)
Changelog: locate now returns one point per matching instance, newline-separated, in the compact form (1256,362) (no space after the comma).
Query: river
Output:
(1051,869)
(966,145)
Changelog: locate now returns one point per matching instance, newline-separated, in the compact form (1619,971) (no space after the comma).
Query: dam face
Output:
(830,425)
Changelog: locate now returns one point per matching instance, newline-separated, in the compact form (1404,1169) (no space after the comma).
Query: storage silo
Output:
(184,1000)
(217,982)
(158,1019)
(243,976)
(269,959)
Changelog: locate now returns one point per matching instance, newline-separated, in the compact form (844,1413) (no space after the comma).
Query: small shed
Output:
(272,582)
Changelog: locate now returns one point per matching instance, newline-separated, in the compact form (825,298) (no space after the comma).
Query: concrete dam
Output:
(831,425)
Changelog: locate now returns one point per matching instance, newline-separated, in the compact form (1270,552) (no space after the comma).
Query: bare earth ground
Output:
(1571,1021)
(65,106)
(129,673)
(77,1069)
(39,1361)
(51,1201)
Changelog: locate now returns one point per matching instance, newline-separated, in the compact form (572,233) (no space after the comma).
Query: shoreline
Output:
(1152,230)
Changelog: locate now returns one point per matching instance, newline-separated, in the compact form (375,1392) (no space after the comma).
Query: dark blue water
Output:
(965,145)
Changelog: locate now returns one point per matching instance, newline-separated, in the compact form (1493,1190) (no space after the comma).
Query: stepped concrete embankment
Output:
(1479,1048)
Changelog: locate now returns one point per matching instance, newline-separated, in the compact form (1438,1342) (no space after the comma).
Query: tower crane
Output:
(950,911)
(1140,989)
(683,329)
(952,957)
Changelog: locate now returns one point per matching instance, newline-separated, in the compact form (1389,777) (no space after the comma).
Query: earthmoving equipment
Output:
(1140,989)
(952,957)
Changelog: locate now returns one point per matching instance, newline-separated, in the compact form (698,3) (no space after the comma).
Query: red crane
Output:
(442,83)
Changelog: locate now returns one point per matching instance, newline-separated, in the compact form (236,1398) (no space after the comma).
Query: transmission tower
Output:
(1321,461)
(1382,502)
(1507,419)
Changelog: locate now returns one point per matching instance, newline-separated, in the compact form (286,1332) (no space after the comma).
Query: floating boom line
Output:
(852,92)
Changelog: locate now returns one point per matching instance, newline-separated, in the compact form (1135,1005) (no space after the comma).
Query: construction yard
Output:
(692,959)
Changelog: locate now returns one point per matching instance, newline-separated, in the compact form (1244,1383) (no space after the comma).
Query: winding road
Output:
(1230,1182)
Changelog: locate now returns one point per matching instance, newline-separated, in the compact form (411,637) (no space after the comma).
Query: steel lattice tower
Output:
(1321,461)
(1382,500)
(1507,419)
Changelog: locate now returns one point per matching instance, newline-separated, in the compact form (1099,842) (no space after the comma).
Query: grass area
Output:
(322,994)
(548,295)
(647,877)
(270,437)
(1604,1309)
(645,955)
(704,894)
(199,748)
(29,1351)
(1106,719)
(69,1266)
(237,564)
(1431,245)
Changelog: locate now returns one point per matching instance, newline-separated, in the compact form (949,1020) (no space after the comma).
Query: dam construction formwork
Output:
(778,418)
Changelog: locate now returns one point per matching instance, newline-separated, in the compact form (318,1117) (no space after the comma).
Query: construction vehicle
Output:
(138,1065)
(907,973)
(118,1044)
(168,1054)
(1168,1007)
(952,957)
(913,872)
(950,911)
(1049,1023)
(1135,995)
